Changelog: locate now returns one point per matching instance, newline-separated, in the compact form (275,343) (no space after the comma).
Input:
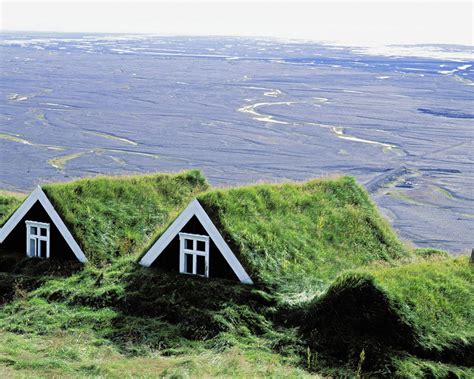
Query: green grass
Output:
(301,236)
(336,294)
(82,355)
(121,315)
(425,308)
(116,216)
(438,296)
(9,202)
(410,367)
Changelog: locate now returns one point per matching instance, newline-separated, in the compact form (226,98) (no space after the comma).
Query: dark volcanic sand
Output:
(244,111)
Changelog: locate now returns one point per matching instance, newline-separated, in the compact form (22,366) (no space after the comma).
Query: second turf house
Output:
(193,245)
(275,233)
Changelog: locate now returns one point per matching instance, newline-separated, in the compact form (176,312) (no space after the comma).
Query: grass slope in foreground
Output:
(424,309)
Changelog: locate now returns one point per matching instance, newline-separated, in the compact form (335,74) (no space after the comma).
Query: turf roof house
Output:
(193,245)
(38,231)
(276,233)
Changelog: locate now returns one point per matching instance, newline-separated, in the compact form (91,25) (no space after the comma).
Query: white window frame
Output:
(38,237)
(194,252)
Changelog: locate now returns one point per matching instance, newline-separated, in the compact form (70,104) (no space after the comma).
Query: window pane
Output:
(32,251)
(33,230)
(42,249)
(201,246)
(200,265)
(43,231)
(188,244)
(188,263)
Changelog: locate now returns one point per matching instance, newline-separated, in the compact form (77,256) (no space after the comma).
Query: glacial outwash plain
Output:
(245,111)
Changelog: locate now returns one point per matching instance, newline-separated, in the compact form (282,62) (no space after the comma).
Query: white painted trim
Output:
(37,237)
(195,209)
(194,252)
(39,195)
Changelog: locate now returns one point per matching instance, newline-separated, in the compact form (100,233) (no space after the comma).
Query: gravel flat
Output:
(245,111)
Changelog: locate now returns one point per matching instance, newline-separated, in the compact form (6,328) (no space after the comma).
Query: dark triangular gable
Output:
(222,261)
(37,207)
(16,240)
(218,266)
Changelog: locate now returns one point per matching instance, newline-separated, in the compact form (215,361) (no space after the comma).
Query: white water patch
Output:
(453,74)
(252,109)
(122,51)
(269,92)
(190,55)
(351,91)
(17,97)
(425,51)
(339,132)
(15,138)
(112,137)
(383,77)
(56,105)
(447,72)
(273,93)
(18,138)
(459,68)
(319,100)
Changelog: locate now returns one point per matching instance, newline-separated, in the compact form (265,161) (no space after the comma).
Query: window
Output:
(194,254)
(37,239)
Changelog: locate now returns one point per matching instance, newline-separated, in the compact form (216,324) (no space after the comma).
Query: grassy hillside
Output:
(122,319)
(425,309)
(302,236)
(82,355)
(116,216)
(401,308)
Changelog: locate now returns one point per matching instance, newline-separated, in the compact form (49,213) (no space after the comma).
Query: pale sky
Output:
(350,22)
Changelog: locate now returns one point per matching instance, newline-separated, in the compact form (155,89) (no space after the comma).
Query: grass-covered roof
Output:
(9,201)
(301,233)
(425,308)
(116,216)
(383,317)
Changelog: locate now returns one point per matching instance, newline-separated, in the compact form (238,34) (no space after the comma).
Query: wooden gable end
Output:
(16,242)
(38,209)
(169,258)
(194,222)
